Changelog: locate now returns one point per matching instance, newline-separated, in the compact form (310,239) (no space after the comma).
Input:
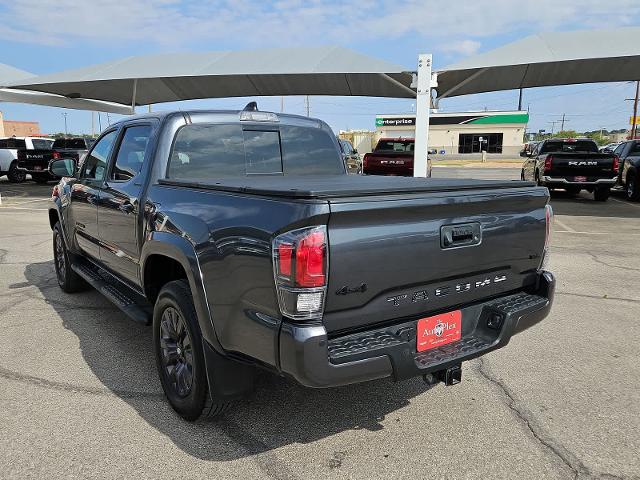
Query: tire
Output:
(538,181)
(632,191)
(573,190)
(601,194)
(522,174)
(179,354)
(41,178)
(15,175)
(68,279)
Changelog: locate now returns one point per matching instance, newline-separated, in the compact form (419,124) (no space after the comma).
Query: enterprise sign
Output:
(395,122)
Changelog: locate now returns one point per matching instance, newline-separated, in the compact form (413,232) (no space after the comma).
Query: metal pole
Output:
(306,104)
(520,100)
(634,127)
(65,123)
(281,104)
(93,123)
(423,110)
(562,128)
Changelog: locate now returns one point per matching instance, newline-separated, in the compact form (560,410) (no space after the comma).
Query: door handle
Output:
(126,207)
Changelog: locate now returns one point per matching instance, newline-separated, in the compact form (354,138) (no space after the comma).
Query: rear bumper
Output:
(34,167)
(314,360)
(561,181)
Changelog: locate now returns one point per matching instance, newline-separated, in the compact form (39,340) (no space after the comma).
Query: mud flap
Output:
(228,379)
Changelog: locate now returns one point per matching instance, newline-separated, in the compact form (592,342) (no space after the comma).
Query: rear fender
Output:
(180,250)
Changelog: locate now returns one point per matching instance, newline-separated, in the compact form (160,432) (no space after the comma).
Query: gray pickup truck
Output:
(240,238)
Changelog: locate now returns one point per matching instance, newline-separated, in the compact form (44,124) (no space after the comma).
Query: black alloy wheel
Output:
(633,189)
(68,279)
(176,348)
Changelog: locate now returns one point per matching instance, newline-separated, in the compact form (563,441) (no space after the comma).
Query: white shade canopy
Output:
(10,74)
(547,59)
(160,78)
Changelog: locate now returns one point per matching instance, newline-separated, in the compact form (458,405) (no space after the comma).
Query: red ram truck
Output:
(392,156)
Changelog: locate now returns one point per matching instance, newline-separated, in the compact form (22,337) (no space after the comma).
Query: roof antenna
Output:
(251,107)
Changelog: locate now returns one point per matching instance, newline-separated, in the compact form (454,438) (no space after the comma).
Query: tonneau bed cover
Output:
(341,185)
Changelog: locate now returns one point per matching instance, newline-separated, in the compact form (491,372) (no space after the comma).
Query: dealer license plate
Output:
(579,179)
(37,168)
(439,330)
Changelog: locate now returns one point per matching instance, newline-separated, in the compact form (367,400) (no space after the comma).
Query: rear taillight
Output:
(56,155)
(616,163)
(548,216)
(548,163)
(365,161)
(300,271)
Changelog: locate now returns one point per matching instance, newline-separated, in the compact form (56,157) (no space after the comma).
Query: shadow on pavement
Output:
(584,205)
(119,352)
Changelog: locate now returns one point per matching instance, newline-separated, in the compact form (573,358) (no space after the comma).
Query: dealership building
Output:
(463,134)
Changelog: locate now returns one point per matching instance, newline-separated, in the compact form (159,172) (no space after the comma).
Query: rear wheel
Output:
(179,353)
(633,188)
(15,175)
(68,279)
(601,194)
(522,174)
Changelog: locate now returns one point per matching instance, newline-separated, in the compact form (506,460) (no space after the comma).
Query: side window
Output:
(131,153)
(96,162)
(634,151)
(619,149)
(536,150)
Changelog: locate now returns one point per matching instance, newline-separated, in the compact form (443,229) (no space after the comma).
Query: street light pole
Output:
(65,123)
(634,127)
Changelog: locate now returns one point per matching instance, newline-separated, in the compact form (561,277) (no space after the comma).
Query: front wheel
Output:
(179,353)
(15,175)
(601,194)
(68,279)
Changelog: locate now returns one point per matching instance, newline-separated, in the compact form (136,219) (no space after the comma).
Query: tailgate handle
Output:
(460,235)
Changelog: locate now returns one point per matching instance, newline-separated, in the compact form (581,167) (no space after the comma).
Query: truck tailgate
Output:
(391,257)
(599,165)
(388,163)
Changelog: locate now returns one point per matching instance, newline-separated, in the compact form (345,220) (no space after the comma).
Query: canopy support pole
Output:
(423,110)
(133,96)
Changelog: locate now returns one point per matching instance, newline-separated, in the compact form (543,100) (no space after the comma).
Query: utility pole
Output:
(307,106)
(520,100)
(65,123)
(562,128)
(553,125)
(634,128)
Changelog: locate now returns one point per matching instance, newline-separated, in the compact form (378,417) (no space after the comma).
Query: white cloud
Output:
(464,47)
(286,22)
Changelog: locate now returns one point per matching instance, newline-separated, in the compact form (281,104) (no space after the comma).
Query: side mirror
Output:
(65,167)
(524,153)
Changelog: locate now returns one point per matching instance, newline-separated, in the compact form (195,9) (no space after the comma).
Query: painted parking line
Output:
(637,205)
(563,225)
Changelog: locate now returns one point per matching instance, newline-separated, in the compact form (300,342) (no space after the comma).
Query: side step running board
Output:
(126,299)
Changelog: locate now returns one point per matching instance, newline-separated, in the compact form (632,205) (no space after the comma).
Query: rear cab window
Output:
(570,146)
(400,146)
(210,151)
(71,143)
(12,143)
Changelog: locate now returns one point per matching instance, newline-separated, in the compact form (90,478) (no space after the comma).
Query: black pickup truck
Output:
(572,164)
(36,162)
(239,236)
(629,176)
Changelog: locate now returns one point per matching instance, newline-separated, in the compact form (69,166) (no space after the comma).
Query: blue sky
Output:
(44,36)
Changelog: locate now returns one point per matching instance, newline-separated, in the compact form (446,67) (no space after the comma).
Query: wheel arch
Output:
(166,257)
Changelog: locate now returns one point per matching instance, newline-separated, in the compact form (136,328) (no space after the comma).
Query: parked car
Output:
(9,147)
(629,172)
(572,164)
(351,157)
(392,156)
(36,161)
(242,240)
(609,147)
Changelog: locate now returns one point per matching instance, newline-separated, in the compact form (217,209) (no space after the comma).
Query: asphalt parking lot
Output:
(80,395)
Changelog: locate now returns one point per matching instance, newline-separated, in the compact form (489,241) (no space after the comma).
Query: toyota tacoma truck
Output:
(392,156)
(240,238)
(36,161)
(572,164)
